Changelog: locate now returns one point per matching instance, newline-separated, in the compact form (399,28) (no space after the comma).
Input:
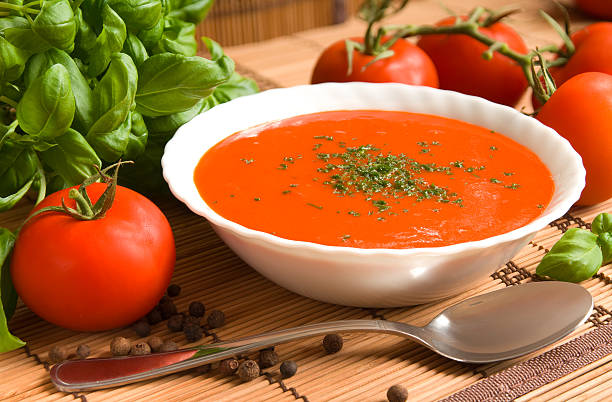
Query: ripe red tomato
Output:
(408,65)
(94,275)
(596,8)
(461,68)
(581,111)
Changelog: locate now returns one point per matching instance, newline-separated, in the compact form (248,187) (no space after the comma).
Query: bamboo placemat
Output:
(576,367)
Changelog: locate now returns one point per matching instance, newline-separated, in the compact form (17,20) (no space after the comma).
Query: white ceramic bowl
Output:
(369,277)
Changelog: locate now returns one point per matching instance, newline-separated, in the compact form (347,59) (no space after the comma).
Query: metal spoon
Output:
(494,326)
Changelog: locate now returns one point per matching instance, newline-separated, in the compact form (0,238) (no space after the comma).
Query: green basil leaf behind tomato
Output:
(134,48)
(113,99)
(56,24)
(602,223)
(109,41)
(71,157)
(138,14)
(190,10)
(171,83)
(47,107)
(83,96)
(178,37)
(8,296)
(18,165)
(574,258)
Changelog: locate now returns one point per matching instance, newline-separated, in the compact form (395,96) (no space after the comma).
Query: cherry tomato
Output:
(461,68)
(581,111)
(408,65)
(591,43)
(596,8)
(99,274)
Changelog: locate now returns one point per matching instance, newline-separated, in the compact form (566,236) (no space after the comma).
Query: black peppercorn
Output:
(169,346)
(228,366)
(167,308)
(192,332)
(248,370)
(397,393)
(154,316)
(175,323)
(120,346)
(142,328)
(57,354)
(155,342)
(216,319)
(267,358)
(288,368)
(174,290)
(332,343)
(196,309)
(83,351)
(191,320)
(140,349)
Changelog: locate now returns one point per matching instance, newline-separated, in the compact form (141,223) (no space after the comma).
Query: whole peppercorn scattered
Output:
(332,343)
(140,349)
(191,320)
(267,358)
(175,323)
(142,328)
(167,307)
(205,369)
(192,332)
(197,309)
(173,290)
(288,368)
(228,366)
(248,370)
(154,316)
(216,319)
(169,346)
(397,393)
(83,351)
(57,354)
(120,346)
(155,342)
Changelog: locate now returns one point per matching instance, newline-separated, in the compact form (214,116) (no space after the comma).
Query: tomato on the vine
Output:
(408,65)
(596,8)
(461,67)
(94,275)
(580,110)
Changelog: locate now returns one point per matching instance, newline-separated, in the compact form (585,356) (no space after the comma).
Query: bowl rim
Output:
(172,151)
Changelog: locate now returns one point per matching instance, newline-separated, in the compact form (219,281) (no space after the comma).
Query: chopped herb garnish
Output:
(232,195)
(247,161)
(346,237)
(512,186)
(286,191)
(424,150)
(354,213)
(380,218)
(493,148)
(314,205)
(282,166)
(435,143)
(316,146)
(257,199)
(508,173)
(293,185)
(324,137)
(494,180)
(540,206)
(436,210)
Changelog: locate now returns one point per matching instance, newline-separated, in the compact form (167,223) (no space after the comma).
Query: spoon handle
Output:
(90,374)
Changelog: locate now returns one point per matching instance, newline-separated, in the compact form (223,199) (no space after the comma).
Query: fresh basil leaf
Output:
(150,37)
(39,63)
(190,10)
(134,48)
(8,296)
(602,223)
(109,41)
(604,240)
(137,139)
(71,157)
(178,37)
(56,24)
(85,38)
(172,83)
(18,165)
(113,99)
(25,38)
(12,22)
(235,87)
(12,61)
(170,123)
(10,200)
(138,14)
(47,107)
(573,258)
(145,174)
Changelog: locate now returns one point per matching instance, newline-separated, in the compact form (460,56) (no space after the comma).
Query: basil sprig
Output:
(579,253)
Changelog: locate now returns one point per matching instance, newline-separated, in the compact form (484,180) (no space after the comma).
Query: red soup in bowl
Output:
(374,179)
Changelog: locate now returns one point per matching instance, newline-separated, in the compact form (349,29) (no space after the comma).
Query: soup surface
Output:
(374,179)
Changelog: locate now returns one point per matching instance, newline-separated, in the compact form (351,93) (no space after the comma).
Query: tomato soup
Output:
(374,179)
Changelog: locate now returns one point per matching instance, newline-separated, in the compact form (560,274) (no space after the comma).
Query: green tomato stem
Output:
(16,7)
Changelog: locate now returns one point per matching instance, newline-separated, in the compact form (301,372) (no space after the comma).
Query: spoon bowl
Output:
(494,326)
